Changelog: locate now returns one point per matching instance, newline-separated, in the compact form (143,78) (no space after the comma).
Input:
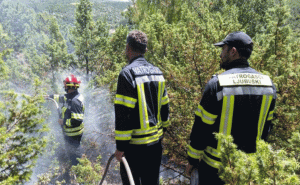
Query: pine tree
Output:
(56,50)
(21,135)
(85,35)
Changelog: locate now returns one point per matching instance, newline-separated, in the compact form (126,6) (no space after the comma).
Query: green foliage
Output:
(86,172)
(181,36)
(266,166)
(21,138)
(88,36)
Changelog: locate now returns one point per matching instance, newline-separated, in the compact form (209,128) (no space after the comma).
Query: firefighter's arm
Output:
(164,112)
(268,124)
(203,128)
(57,98)
(125,102)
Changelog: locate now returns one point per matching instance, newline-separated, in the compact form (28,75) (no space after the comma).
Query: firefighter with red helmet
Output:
(72,113)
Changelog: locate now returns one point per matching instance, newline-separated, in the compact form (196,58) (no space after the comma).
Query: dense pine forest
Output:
(42,41)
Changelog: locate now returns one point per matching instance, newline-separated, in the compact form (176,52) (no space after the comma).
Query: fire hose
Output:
(57,106)
(129,174)
(128,171)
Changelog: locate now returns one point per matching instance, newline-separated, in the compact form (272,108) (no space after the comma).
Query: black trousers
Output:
(144,163)
(73,148)
(208,175)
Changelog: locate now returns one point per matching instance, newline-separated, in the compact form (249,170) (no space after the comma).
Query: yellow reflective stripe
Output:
(123,135)
(63,110)
(125,100)
(265,105)
(161,87)
(71,85)
(74,129)
(226,116)
(271,115)
(206,117)
(146,140)
(212,151)
(68,122)
(165,100)
(211,162)
(138,132)
(76,116)
(74,133)
(56,98)
(144,120)
(166,123)
(194,153)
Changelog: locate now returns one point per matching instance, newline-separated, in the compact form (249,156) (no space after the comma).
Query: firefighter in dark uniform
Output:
(141,113)
(239,102)
(72,113)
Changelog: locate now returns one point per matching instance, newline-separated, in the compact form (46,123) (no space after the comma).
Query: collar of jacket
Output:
(140,56)
(72,94)
(239,63)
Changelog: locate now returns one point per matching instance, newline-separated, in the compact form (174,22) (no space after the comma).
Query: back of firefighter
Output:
(239,102)
(72,113)
(141,113)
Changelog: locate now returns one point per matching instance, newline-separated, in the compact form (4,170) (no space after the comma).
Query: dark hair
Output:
(138,41)
(245,51)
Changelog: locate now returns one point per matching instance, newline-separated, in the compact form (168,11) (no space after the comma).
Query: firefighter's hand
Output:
(119,155)
(46,97)
(60,121)
(189,169)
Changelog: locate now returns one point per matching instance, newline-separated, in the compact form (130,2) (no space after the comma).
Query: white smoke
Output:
(98,132)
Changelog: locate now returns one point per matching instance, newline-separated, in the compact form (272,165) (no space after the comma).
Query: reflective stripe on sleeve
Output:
(125,100)
(63,110)
(56,97)
(271,115)
(206,117)
(194,153)
(265,105)
(76,116)
(123,135)
(161,87)
(166,123)
(165,100)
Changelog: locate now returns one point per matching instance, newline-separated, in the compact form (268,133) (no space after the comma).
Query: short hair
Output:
(245,51)
(138,41)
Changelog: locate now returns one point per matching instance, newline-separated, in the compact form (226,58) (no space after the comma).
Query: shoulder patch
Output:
(244,79)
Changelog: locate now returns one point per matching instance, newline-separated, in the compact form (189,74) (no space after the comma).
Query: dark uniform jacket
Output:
(72,112)
(239,102)
(141,105)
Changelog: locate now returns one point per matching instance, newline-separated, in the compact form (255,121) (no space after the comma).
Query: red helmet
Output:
(72,80)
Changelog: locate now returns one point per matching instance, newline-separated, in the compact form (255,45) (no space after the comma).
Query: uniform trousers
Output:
(208,175)
(144,163)
(73,148)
